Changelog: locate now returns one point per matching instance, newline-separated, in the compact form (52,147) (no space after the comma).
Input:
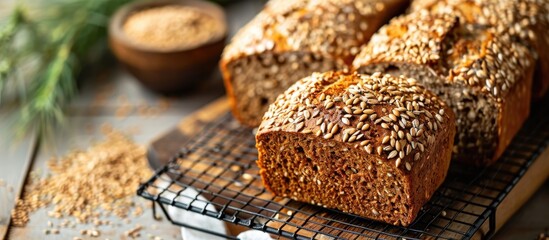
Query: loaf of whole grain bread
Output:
(373,145)
(528,20)
(537,13)
(474,56)
(289,40)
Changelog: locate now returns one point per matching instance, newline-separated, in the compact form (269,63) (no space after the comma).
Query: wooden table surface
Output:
(102,97)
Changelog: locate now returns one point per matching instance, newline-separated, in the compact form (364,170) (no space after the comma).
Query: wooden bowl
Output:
(167,71)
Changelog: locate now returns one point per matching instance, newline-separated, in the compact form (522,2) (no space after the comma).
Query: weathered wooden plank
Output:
(534,178)
(116,93)
(14,164)
(529,221)
(79,133)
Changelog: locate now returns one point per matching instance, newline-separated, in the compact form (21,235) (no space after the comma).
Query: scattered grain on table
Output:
(146,110)
(124,111)
(125,107)
(89,184)
(133,130)
(134,232)
(104,93)
(164,104)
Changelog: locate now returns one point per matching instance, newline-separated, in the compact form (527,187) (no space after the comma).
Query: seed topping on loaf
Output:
(292,25)
(458,40)
(381,114)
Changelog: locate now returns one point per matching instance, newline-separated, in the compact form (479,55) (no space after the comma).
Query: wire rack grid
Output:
(219,163)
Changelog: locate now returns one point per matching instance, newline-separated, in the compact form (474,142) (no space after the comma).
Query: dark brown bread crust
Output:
(466,53)
(289,40)
(376,146)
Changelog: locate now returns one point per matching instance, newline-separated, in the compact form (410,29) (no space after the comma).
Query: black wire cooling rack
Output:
(219,163)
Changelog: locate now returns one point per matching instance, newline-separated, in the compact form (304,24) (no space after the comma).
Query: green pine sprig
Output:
(43,46)
(42,52)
